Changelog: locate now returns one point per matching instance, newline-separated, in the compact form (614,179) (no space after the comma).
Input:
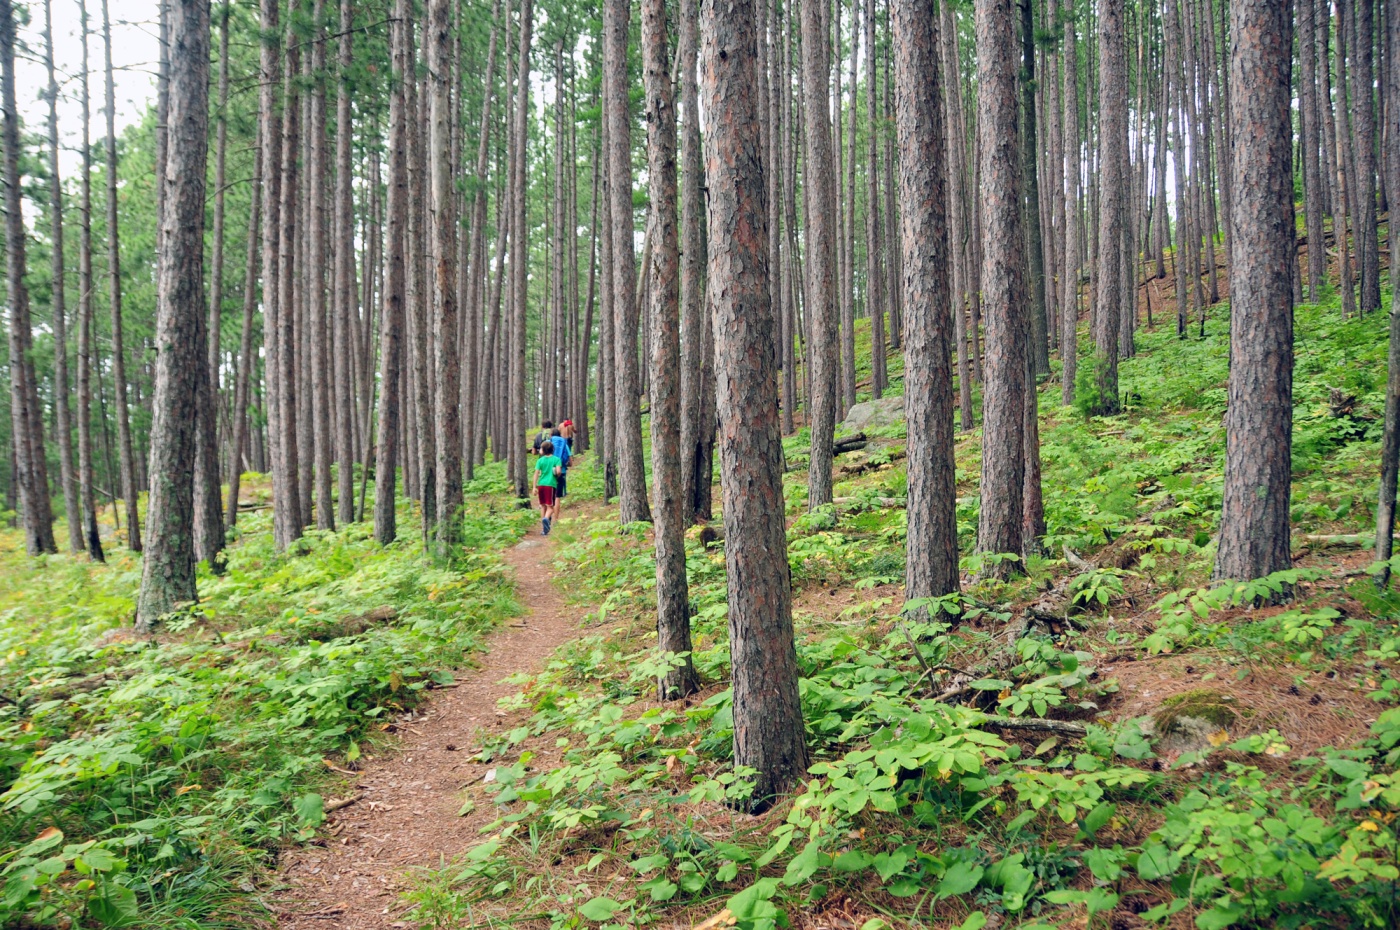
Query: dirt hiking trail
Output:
(407,799)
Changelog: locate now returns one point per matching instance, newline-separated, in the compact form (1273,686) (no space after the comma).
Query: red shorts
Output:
(546,494)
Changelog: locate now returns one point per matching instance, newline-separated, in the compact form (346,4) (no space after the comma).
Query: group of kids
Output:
(554,446)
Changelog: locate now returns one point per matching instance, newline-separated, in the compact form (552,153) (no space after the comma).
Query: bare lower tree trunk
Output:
(344,310)
(1069,314)
(628,437)
(317,313)
(956,148)
(672,596)
(1361,30)
(1254,519)
(694,318)
(91,540)
(246,360)
(386,456)
(129,488)
(208,506)
(1003,405)
(27,426)
(1113,184)
(932,563)
(520,256)
(822,257)
(874,233)
(63,425)
(283,383)
(182,379)
(1312,173)
(1030,182)
(447,370)
(768,728)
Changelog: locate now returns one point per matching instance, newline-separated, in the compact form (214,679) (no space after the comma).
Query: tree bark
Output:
(932,559)
(822,256)
(1113,184)
(168,569)
(672,596)
(246,361)
(129,490)
(1312,173)
(1003,403)
(63,424)
(874,238)
(386,456)
(447,388)
(1361,31)
(695,453)
(344,310)
(208,513)
(768,728)
(27,426)
(91,540)
(1254,519)
(628,437)
(1073,264)
(1030,181)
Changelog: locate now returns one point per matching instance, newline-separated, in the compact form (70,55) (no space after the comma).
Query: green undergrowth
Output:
(147,781)
(1044,788)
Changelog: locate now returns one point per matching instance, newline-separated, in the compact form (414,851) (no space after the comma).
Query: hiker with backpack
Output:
(547,470)
(564,451)
(542,436)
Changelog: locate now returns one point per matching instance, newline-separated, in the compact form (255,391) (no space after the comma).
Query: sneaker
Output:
(544,527)
(547,526)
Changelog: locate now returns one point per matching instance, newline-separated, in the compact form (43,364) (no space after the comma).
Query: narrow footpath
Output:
(407,801)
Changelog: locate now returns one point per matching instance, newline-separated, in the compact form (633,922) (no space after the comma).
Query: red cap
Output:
(567,423)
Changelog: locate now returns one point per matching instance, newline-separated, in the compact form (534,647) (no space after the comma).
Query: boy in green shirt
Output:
(547,469)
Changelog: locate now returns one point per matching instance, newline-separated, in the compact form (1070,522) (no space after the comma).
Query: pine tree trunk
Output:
(182,378)
(27,426)
(846,193)
(246,360)
(1073,263)
(1113,183)
(1344,217)
(1360,31)
(386,456)
(1254,519)
(1390,442)
(1004,394)
(63,425)
(343,310)
(874,238)
(694,320)
(447,373)
(822,257)
(932,564)
(628,437)
(520,258)
(1030,184)
(672,597)
(607,355)
(208,514)
(91,540)
(314,275)
(957,200)
(129,489)
(286,486)
(768,728)
(1312,173)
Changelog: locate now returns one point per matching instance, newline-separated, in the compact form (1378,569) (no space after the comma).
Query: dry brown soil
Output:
(405,815)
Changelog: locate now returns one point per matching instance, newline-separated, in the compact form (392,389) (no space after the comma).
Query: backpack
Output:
(540,437)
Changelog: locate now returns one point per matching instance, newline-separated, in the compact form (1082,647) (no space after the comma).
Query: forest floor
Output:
(413,808)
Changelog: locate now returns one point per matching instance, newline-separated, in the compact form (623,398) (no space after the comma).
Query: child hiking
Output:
(547,469)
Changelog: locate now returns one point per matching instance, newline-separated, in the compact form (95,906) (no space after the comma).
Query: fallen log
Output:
(1336,541)
(1062,727)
